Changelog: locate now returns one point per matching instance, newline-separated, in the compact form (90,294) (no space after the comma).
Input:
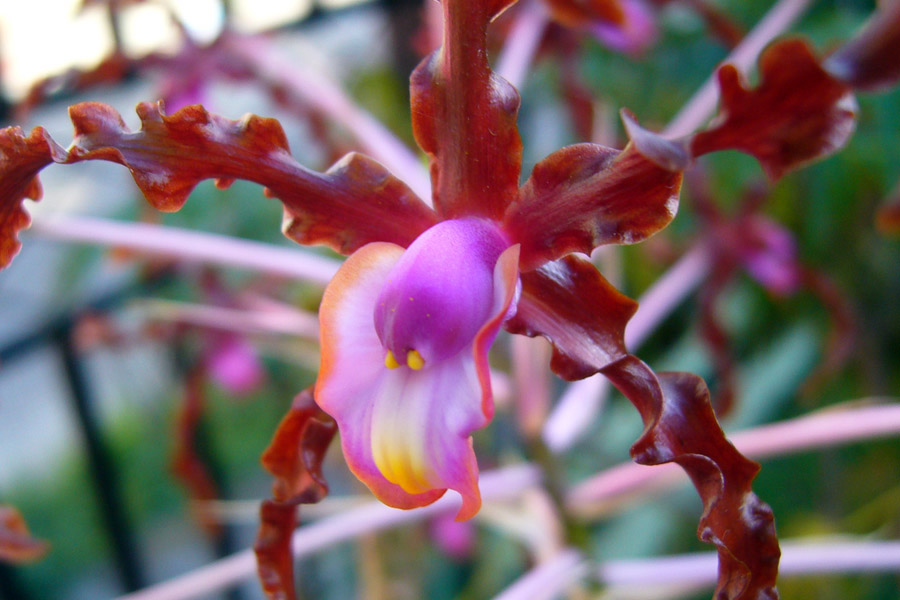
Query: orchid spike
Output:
(405,333)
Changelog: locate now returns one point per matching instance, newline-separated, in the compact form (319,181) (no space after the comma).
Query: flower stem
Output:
(191,246)
(614,487)
(544,580)
(690,572)
(797,558)
(522,43)
(297,323)
(327,97)
(500,484)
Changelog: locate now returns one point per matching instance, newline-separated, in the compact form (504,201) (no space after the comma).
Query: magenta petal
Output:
(770,256)
(235,365)
(420,425)
(636,33)
(439,294)
(352,364)
(405,432)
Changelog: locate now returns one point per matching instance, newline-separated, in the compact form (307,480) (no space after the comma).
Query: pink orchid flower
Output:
(405,331)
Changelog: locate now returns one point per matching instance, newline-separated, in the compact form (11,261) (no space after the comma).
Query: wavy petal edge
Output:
(355,202)
(294,458)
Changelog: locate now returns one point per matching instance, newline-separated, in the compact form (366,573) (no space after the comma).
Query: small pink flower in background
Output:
(455,538)
(635,34)
(234,364)
(627,26)
(769,254)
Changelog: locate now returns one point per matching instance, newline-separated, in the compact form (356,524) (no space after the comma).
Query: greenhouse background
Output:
(118,359)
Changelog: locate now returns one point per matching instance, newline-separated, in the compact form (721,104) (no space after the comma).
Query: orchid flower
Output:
(405,333)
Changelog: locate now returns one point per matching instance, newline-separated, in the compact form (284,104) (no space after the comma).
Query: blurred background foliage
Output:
(828,207)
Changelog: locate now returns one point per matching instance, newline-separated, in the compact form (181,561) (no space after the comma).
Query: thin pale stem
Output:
(191,246)
(250,322)
(580,403)
(502,484)
(797,558)
(546,580)
(529,357)
(522,43)
(694,571)
(327,97)
(246,512)
(614,487)
(702,104)
(666,294)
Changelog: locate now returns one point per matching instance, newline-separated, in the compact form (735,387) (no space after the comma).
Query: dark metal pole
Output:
(227,543)
(10,587)
(106,484)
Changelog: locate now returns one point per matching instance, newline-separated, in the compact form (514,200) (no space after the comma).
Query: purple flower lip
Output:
(439,293)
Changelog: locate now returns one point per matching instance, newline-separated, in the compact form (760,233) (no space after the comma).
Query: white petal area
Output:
(421,423)
(352,354)
(353,370)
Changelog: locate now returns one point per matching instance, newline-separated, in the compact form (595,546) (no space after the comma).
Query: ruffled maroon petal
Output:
(464,117)
(295,459)
(187,464)
(21,158)
(798,113)
(680,427)
(570,303)
(869,61)
(587,195)
(274,559)
(355,202)
(580,14)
